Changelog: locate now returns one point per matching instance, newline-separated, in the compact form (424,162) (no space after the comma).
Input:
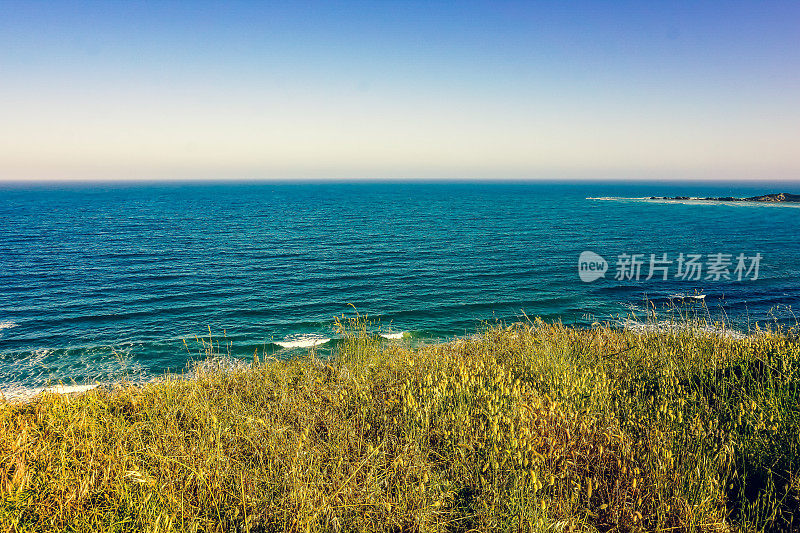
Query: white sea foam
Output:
(7,324)
(217,364)
(69,389)
(393,335)
(19,393)
(677,327)
(307,340)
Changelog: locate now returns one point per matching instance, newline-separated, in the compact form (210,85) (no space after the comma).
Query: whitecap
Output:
(687,296)
(394,335)
(307,340)
(7,324)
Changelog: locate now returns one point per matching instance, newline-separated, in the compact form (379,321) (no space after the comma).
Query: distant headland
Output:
(772,198)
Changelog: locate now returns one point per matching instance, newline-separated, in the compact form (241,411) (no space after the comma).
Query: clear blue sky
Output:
(382,89)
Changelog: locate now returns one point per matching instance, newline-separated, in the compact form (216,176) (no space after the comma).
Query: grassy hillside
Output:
(530,427)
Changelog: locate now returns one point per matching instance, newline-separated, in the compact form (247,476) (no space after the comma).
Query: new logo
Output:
(591,266)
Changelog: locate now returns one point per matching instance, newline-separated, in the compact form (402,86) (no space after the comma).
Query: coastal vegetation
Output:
(526,427)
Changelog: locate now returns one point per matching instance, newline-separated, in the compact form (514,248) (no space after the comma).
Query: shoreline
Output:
(220,362)
(782,197)
(793,201)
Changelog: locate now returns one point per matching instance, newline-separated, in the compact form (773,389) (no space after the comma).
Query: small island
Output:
(771,198)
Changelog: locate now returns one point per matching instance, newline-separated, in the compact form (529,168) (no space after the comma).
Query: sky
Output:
(122,90)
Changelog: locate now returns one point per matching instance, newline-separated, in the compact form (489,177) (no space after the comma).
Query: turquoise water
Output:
(102,282)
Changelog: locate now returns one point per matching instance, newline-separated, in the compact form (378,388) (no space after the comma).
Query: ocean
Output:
(100,283)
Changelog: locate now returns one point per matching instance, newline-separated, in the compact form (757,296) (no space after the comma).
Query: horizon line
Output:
(400,180)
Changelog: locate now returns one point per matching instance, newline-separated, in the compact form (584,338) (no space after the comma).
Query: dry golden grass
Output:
(531,427)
